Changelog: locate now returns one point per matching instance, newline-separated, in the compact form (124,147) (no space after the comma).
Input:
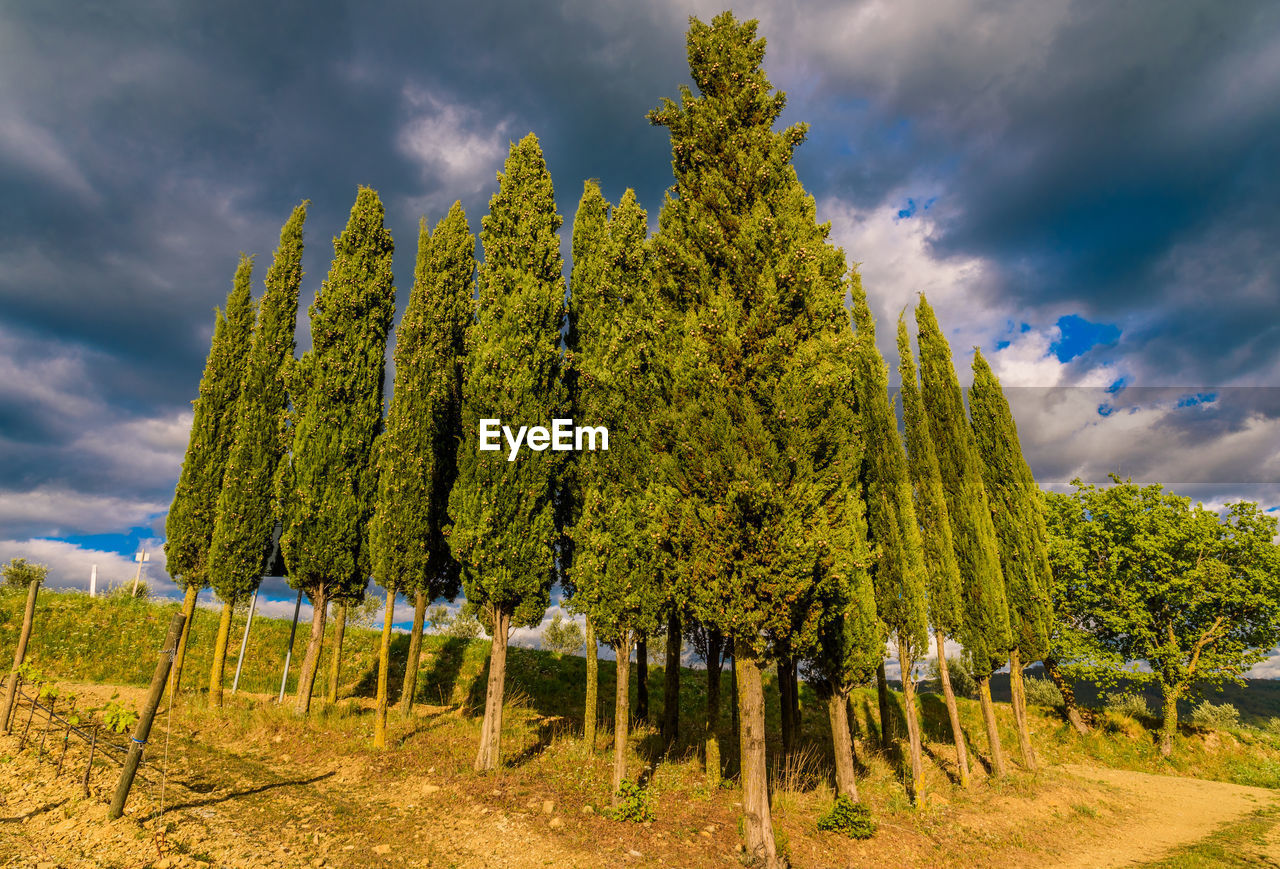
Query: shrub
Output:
(1126,703)
(852,819)
(1208,715)
(633,804)
(1042,692)
(19,572)
(962,681)
(563,636)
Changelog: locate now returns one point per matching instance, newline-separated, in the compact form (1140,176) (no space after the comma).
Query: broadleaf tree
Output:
(417,453)
(246,516)
(504,511)
(193,513)
(327,487)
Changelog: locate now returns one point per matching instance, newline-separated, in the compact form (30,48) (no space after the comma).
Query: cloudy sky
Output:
(1084,189)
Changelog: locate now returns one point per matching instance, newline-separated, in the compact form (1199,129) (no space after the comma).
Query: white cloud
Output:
(457,150)
(70,565)
(52,512)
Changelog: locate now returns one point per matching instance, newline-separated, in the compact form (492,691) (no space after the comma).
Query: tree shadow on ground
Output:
(18,819)
(367,681)
(244,793)
(438,683)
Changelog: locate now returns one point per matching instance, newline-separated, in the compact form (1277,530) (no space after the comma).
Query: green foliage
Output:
(1193,594)
(245,519)
(616,367)
(504,512)
(1126,703)
(1042,692)
(961,673)
(462,625)
(328,486)
(946,604)
(849,818)
(116,717)
(986,632)
(760,485)
(417,454)
(633,804)
(1211,715)
(190,522)
(1017,510)
(563,636)
(893,529)
(19,573)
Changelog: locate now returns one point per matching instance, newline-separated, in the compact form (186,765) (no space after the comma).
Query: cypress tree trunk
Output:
(887,730)
(1169,727)
(384,665)
(993,731)
(591,713)
(953,712)
(180,656)
(490,753)
(220,655)
(335,657)
(715,645)
(642,679)
(311,661)
(621,716)
(410,686)
(757,817)
(795,701)
(1018,696)
(1068,696)
(785,719)
(906,663)
(671,683)
(734,729)
(842,743)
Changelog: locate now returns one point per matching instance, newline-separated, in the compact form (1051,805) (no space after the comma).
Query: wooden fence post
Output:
(21,653)
(139,738)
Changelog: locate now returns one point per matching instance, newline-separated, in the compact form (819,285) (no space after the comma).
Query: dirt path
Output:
(1167,812)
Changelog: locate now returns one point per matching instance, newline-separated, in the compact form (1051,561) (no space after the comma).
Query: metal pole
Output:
(93,581)
(244,641)
(139,738)
(20,653)
(289,652)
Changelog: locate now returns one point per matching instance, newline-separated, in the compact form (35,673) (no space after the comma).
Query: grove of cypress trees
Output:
(328,487)
(757,296)
(417,453)
(504,512)
(190,524)
(1017,509)
(245,518)
(946,604)
(898,570)
(986,635)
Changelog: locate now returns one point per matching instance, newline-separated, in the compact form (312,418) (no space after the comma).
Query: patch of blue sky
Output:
(1077,336)
(1117,386)
(121,542)
(914,206)
(1198,399)
(1105,410)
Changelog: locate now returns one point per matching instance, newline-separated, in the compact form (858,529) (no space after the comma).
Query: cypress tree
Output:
(590,243)
(946,605)
(327,488)
(757,297)
(898,573)
(190,523)
(245,518)
(986,634)
(417,454)
(504,512)
(1017,510)
(620,379)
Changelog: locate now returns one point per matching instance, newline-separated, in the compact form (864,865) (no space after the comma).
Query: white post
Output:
(244,641)
(142,557)
(93,581)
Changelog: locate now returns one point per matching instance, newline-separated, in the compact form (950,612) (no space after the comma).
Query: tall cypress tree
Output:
(986,635)
(898,572)
(589,252)
(946,604)
(504,512)
(757,296)
(190,523)
(620,378)
(245,518)
(328,487)
(1017,509)
(417,454)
